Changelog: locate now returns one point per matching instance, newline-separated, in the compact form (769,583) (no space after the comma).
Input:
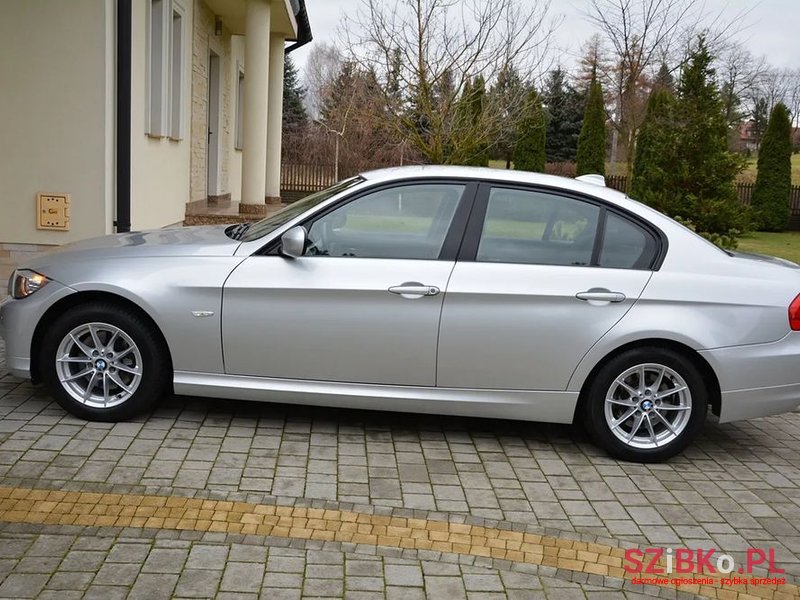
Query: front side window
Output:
(403,222)
(534,227)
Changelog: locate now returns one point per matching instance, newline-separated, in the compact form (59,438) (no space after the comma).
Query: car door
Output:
(363,302)
(542,276)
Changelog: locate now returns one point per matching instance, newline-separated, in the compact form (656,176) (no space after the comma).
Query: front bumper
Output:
(18,320)
(757,380)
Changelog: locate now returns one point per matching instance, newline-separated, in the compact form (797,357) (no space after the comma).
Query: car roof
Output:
(504,175)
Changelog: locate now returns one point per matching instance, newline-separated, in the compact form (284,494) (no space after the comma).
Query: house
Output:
(744,138)
(121,114)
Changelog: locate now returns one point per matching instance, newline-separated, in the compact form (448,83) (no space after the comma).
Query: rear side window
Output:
(626,245)
(534,227)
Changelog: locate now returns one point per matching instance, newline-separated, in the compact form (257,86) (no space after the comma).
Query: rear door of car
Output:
(541,276)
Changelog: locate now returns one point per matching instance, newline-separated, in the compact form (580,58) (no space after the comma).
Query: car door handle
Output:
(600,295)
(412,289)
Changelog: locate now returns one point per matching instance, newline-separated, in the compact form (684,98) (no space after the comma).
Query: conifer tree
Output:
(591,157)
(771,195)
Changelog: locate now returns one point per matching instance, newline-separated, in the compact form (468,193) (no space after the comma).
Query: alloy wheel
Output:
(648,406)
(99,365)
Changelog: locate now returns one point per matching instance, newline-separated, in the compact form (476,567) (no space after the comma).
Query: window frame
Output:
(177,62)
(474,229)
(164,115)
(157,80)
(238,120)
(453,238)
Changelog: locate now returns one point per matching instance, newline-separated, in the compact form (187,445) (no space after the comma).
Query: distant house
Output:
(744,139)
(136,109)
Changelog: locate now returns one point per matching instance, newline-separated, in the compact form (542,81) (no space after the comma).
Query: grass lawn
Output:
(749,173)
(786,244)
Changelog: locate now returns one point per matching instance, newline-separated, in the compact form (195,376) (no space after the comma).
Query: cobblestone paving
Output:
(737,487)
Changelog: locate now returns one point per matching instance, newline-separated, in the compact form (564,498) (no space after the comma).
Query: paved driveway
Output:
(246,500)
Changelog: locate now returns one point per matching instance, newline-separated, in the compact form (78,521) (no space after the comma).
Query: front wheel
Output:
(103,362)
(646,405)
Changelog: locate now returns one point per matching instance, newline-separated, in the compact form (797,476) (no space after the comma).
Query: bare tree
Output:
(643,34)
(739,75)
(322,67)
(426,52)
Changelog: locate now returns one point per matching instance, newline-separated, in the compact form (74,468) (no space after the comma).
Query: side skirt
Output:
(550,407)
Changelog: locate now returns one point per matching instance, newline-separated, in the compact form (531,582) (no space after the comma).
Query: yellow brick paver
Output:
(26,505)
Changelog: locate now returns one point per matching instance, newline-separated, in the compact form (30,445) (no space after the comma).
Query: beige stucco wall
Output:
(203,41)
(55,73)
(159,166)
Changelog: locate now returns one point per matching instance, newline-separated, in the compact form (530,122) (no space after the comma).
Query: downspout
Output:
(123,220)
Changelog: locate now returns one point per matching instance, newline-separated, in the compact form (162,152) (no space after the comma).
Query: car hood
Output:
(184,241)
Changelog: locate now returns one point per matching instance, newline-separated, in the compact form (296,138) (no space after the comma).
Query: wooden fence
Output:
(307,178)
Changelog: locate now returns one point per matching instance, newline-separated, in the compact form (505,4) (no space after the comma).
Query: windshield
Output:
(283,216)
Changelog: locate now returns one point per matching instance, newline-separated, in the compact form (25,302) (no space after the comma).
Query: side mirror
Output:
(293,242)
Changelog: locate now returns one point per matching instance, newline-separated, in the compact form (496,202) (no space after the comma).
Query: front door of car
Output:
(541,278)
(363,302)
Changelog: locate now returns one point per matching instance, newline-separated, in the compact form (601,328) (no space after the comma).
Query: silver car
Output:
(448,290)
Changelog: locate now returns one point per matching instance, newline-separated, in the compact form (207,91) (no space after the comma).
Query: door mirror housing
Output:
(293,242)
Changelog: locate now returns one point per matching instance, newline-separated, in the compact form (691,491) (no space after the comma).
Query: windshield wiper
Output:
(240,229)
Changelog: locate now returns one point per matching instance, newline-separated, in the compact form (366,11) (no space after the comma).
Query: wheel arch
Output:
(83,297)
(706,371)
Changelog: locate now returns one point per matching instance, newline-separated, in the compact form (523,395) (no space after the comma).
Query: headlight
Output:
(24,282)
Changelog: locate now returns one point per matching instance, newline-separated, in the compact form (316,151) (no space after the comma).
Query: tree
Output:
(422,42)
(591,156)
(529,152)
(322,66)
(771,195)
(468,144)
(508,94)
(760,117)
(294,112)
(707,169)
(564,106)
(641,34)
(683,166)
(652,179)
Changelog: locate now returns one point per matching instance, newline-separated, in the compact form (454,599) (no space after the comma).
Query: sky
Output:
(771,30)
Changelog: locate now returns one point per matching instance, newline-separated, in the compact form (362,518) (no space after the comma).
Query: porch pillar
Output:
(256,87)
(275,118)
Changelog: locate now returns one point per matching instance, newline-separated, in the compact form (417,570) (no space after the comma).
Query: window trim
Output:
(160,120)
(176,131)
(453,239)
(157,67)
(474,229)
(238,120)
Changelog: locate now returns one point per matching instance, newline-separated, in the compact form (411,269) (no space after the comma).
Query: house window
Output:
(164,77)
(156,66)
(176,74)
(238,142)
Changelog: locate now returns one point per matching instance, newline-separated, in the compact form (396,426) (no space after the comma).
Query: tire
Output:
(673,400)
(127,378)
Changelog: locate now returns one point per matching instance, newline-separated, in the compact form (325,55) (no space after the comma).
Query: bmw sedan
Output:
(449,290)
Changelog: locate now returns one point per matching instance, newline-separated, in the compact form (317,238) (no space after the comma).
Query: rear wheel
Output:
(646,405)
(103,362)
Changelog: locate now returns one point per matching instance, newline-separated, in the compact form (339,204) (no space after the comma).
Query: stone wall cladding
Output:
(202,33)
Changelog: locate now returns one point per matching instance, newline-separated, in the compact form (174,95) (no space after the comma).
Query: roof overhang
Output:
(283,19)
